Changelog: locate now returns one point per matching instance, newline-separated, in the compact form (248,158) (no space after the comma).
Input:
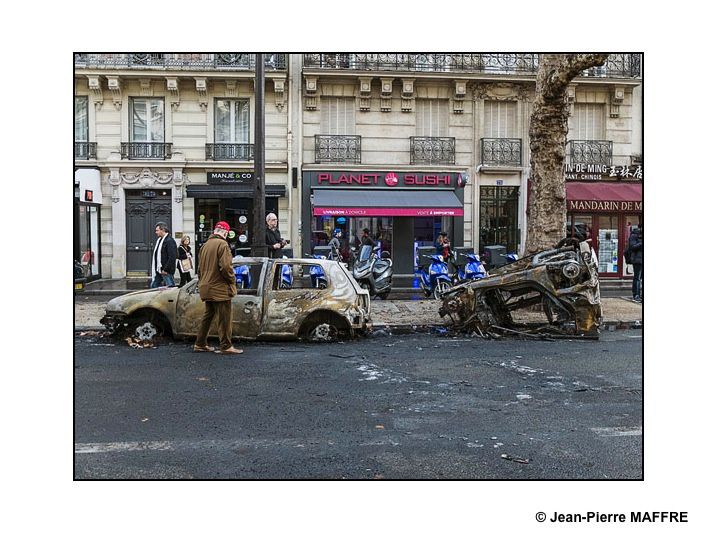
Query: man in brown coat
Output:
(216,281)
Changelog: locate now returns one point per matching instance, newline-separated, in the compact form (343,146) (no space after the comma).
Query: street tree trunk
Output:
(548,138)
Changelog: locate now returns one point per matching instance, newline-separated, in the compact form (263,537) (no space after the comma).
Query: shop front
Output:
(402,210)
(228,196)
(86,237)
(605,213)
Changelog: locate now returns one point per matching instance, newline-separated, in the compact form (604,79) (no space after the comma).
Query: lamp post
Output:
(259,249)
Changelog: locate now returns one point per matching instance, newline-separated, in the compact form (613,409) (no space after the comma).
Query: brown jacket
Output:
(216,278)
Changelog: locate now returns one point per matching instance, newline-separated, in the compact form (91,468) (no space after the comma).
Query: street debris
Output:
(515,459)
(563,282)
(137,343)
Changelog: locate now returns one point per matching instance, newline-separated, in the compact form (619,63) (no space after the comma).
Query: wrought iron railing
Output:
(230,151)
(338,148)
(145,150)
(590,152)
(501,152)
(221,61)
(617,65)
(439,150)
(85,150)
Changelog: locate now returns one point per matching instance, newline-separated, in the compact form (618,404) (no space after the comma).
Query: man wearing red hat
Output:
(216,282)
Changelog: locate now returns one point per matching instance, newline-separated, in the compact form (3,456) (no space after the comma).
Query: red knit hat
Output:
(222,225)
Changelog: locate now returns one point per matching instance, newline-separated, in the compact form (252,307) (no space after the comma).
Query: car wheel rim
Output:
(323,332)
(146,331)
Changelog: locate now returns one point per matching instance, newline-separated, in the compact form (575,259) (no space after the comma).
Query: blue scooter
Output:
(472,270)
(243,279)
(317,276)
(436,280)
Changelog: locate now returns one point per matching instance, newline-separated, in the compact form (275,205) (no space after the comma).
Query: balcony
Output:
(85,150)
(218,61)
(230,151)
(590,152)
(617,65)
(337,148)
(145,150)
(432,150)
(501,152)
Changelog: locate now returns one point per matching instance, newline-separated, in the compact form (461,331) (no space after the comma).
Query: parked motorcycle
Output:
(471,270)
(373,272)
(435,280)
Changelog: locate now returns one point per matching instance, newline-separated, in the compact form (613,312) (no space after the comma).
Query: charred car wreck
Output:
(562,283)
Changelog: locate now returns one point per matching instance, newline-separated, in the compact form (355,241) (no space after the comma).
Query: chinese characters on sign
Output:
(597,171)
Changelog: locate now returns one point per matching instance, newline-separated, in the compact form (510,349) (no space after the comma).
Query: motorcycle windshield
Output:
(365,253)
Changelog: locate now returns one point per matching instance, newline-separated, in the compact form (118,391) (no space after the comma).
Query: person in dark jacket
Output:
(164,257)
(636,259)
(273,239)
(216,284)
(366,240)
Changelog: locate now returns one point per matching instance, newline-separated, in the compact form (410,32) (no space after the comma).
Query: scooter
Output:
(472,270)
(317,276)
(436,279)
(373,272)
(243,280)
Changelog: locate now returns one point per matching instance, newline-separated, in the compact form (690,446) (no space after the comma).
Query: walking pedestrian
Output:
(185,261)
(366,240)
(442,246)
(164,257)
(216,283)
(635,246)
(273,239)
(335,248)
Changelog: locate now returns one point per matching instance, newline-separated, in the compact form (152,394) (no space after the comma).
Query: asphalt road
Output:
(386,407)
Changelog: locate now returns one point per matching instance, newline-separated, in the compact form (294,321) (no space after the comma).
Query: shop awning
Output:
(219,191)
(603,191)
(353,202)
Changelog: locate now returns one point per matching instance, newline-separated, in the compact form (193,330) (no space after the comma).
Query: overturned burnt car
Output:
(561,283)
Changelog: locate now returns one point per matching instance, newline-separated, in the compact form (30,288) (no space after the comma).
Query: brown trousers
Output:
(224,312)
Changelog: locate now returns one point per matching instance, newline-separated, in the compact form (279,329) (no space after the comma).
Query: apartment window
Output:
(431,117)
(588,123)
(337,116)
(148,120)
(81,119)
(232,121)
(500,119)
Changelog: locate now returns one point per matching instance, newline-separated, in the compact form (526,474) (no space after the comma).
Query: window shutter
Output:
(589,122)
(500,119)
(431,117)
(337,116)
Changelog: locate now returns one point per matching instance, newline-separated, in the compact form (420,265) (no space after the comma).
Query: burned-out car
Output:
(277,299)
(560,283)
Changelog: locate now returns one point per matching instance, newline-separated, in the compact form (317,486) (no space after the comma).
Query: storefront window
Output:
(238,213)
(499,216)
(608,244)
(381,231)
(89,239)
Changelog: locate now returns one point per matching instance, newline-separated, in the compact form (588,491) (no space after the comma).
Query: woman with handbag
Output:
(184,262)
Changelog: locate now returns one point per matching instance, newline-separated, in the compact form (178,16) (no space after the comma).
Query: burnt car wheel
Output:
(440,288)
(146,326)
(323,332)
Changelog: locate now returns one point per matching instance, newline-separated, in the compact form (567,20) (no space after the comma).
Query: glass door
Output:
(608,244)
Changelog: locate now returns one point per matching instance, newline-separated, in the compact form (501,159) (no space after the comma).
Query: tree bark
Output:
(548,138)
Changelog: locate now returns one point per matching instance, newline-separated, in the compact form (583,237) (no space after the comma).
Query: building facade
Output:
(405,145)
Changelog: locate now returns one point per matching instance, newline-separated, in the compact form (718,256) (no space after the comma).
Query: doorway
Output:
(143,209)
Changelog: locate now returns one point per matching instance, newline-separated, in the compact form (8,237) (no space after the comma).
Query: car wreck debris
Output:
(563,282)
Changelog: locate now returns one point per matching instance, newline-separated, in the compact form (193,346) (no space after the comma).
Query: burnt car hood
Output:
(562,283)
(128,302)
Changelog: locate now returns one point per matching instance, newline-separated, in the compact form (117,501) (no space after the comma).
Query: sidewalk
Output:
(618,313)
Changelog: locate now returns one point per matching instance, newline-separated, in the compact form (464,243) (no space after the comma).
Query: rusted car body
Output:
(264,310)
(563,282)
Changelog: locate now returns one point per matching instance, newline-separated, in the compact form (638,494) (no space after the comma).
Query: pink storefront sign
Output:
(376,212)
